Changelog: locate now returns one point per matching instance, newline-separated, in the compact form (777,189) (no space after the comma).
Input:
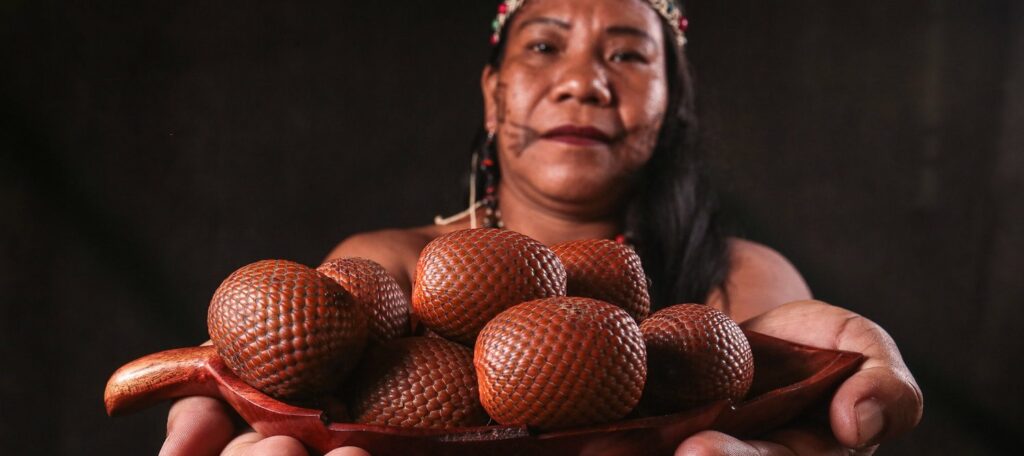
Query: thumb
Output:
(881,400)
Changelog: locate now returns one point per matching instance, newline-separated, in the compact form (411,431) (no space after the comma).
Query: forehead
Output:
(594,13)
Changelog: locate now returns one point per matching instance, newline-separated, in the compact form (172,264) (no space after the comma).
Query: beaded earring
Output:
(483,165)
(489,169)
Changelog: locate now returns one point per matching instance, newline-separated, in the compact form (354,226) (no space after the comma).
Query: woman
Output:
(589,112)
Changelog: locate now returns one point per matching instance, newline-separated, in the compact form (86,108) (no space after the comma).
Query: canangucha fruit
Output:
(286,329)
(560,362)
(696,354)
(465,278)
(375,291)
(607,271)
(416,382)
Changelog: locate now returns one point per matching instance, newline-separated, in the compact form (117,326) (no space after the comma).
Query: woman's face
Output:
(579,98)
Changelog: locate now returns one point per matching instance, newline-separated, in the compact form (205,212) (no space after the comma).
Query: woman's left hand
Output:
(877,403)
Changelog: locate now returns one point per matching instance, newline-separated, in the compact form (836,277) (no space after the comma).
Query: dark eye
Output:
(542,48)
(627,56)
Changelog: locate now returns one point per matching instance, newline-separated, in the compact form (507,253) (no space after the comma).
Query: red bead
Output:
(684,24)
(494,39)
(488,162)
(621,238)
(490,190)
(502,8)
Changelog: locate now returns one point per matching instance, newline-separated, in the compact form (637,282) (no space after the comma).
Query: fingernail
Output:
(870,421)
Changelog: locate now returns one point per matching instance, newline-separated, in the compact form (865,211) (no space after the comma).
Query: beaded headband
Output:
(666,8)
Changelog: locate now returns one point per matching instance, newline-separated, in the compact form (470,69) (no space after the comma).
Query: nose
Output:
(584,81)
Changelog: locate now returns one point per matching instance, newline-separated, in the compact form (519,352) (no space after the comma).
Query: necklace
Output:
(492,217)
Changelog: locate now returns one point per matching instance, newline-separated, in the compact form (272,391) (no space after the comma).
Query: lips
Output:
(577,135)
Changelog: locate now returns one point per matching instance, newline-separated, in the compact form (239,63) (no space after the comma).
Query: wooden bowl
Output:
(788,379)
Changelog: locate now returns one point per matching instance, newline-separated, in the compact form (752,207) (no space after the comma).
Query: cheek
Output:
(519,91)
(643,120)
(647,103)
(515,100)
(640,146)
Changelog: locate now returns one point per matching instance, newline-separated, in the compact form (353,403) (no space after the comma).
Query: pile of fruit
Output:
(512,332)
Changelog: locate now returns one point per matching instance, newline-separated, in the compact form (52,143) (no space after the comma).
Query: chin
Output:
(574,175)
(577,186)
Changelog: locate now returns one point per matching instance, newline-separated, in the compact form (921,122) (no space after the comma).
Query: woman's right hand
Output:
(204,426)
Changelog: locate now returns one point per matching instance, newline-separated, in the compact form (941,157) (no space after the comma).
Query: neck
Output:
(554,222)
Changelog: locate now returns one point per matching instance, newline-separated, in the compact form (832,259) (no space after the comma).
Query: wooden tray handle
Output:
(161,376)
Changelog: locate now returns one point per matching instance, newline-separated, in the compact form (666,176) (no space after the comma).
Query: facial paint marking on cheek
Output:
(518,137)
(514,136)
(640,141)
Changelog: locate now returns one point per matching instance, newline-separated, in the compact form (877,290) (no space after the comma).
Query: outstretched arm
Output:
(879,402)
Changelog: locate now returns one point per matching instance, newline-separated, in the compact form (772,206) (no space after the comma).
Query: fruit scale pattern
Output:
(560,362)
(538,357)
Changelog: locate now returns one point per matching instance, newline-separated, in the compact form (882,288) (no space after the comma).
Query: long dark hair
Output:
(671,216)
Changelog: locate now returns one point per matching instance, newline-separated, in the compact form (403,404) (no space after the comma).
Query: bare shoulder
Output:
(760,279)
(382,245)
(395,249)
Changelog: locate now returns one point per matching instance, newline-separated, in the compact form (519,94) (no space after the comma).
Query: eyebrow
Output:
(628,30)
(613,30)
(545,20)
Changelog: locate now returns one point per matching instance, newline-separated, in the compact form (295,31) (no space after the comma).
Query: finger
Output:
(197,426)
(241,443)
(348,451)
(255,444)
(808,439)
(714,443)
(881,400)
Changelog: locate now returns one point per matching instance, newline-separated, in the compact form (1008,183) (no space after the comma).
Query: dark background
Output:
(150,148)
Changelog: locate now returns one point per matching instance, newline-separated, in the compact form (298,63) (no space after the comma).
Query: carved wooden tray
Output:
(788,379)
